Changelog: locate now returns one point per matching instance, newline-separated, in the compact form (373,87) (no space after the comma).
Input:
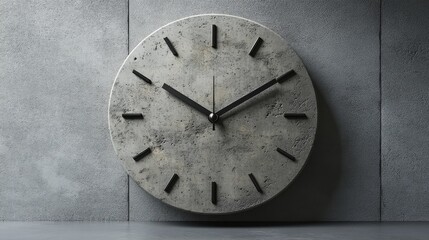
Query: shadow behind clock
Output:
(307,198)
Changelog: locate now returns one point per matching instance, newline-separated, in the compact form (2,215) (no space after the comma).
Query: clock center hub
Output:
(213,117)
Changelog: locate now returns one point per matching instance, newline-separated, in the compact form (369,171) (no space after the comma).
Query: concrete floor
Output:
(134,230)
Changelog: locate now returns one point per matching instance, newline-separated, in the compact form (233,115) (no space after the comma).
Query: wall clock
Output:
(213,114)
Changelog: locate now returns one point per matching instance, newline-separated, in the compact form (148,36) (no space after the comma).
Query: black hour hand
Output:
(186,100)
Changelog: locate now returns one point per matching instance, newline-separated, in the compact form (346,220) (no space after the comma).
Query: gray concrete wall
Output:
(58,60)
(57,63)
(405,110)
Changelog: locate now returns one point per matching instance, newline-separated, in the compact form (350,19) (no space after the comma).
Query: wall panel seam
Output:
(380,109)
(128,52)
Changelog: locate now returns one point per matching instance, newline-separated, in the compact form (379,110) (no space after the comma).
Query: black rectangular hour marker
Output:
(142,77)
(214,193)
(142,154)
(258,188)
(214,36)
(170,46)
(256,47)
(295,115)
(132,116)
(171,183)
(284,153)
(286,76)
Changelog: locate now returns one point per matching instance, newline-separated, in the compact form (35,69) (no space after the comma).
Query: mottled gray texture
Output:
(405,110)
(182,140)
(338,43)
(198,231)
(57,62)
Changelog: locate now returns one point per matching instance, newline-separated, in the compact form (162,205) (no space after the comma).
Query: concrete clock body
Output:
(213,114)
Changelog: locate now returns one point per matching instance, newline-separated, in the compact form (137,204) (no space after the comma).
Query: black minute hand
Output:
(186,100)
(256,92)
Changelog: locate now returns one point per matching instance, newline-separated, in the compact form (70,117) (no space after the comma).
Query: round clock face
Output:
(213,114)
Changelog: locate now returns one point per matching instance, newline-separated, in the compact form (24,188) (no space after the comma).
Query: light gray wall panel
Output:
(58,60)
(338,42)
(405,110)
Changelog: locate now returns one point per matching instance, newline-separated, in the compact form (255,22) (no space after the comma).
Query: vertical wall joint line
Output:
(128,52)
(380,109)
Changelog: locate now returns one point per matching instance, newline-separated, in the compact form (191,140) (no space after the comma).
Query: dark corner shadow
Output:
(237,224)
(308,198)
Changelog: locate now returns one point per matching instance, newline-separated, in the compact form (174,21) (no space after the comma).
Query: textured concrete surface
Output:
(182,140)
(57,62)
(338,43)
(405,111)
(165,231)
(58,58)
